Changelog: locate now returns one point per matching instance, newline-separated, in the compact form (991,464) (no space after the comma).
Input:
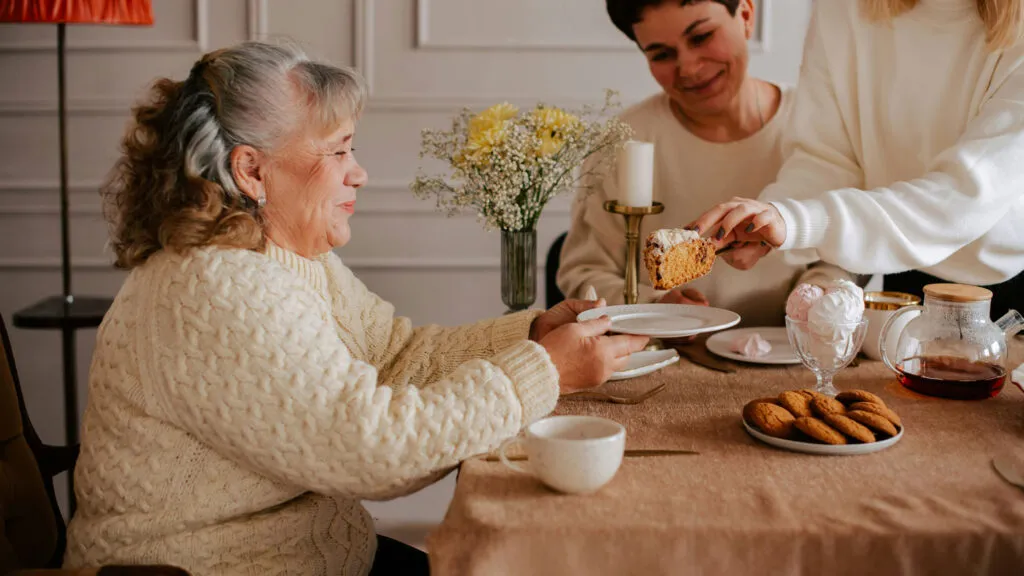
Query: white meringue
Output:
(751,345)
(843,285)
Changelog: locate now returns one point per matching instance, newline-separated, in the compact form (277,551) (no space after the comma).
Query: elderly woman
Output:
(906,149)
(247,390)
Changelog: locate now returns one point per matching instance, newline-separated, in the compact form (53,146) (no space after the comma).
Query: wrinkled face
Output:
(311,188)
(697,52)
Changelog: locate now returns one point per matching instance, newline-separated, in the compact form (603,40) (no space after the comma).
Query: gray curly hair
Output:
(173,185)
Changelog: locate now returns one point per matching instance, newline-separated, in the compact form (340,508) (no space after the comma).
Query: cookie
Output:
(819,431)
(876,422)
(824,405)
(809,393)
(772,420)
(851,396)
(749,408)
(850,427)
(877,409)
(797,403)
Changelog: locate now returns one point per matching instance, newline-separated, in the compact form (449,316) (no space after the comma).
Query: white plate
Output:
(645,362)
(664,320)
(782,351)
(828,449)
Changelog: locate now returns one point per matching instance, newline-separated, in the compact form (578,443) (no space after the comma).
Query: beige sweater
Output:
(690,176)
(241,405)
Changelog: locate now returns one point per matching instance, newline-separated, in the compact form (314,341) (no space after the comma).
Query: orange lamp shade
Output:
(138,12)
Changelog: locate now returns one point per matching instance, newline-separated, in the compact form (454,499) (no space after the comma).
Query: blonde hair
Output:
(1004,19)
(173,187)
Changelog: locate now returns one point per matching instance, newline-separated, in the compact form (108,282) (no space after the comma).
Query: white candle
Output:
(636,173)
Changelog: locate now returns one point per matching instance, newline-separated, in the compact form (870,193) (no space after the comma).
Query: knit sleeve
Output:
(418,356)
(816,143)
(248,360)
(909,224)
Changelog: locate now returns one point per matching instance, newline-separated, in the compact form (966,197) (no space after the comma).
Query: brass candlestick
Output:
(633,215)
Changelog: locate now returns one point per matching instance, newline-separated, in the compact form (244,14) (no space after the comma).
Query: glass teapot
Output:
(953,349)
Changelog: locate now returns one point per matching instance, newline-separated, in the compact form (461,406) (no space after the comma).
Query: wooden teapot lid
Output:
(957,293)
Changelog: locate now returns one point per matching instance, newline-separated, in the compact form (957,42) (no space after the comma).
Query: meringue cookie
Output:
(833,319)
(855,292)
(751,345)
(839,307)
(801,299)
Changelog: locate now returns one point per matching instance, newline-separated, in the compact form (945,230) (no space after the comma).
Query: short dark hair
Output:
(625,13)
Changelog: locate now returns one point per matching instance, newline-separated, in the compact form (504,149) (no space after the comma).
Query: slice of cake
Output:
(675,256)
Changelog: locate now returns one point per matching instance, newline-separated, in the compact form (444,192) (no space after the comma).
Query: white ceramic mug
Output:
(572,454)
(878,307)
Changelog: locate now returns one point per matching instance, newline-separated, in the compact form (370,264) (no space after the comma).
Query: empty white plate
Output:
(827,449)
(645,362)
(664,320)
(782,351)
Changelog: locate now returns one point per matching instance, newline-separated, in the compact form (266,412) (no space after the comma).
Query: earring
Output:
(261,202)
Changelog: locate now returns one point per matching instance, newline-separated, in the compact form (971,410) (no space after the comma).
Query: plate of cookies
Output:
(854,422)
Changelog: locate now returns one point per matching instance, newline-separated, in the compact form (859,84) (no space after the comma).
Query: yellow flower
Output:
(494,118)
(487,131)
(554,126)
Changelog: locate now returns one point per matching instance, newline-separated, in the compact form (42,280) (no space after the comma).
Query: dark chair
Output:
(33,536)
(552,294)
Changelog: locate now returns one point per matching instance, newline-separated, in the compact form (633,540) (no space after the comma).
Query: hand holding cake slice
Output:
(676,256)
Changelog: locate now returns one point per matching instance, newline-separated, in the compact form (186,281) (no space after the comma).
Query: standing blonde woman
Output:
(906,148)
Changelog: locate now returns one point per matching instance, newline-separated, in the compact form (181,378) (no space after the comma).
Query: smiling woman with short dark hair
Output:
(717,133)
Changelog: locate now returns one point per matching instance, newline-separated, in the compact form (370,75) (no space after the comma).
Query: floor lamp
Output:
(66,312)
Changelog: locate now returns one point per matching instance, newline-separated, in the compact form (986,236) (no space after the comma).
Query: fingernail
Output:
(720,234)
(750,228)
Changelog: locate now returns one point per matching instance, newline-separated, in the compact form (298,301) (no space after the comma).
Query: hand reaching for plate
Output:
(684,296)
(565,312)
(584,356)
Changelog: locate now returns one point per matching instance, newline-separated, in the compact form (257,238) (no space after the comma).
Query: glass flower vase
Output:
(518,268)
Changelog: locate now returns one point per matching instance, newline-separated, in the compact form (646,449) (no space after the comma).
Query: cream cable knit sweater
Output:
(242,404)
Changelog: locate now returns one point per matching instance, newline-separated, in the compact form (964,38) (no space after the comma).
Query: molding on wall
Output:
(75,107)
(363,41)
(259,13)
(199,43)
(121,107)
(421,265)
(388,190)
(424,41)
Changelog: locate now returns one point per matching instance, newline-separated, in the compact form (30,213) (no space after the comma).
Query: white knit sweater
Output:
(241,405)
(906,145)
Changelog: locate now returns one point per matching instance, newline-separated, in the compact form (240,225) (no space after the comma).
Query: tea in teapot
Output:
(953,349)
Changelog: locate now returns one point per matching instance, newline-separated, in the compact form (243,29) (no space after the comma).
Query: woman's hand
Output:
(684,296)
(565,312)
(756,226)
(584,356)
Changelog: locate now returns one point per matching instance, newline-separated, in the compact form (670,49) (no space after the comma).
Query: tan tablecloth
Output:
(931,504)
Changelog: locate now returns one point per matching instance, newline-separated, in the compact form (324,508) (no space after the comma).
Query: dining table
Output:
(932,503)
